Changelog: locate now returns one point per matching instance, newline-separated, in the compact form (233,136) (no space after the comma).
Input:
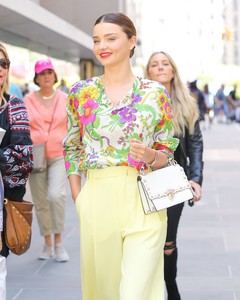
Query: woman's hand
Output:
(141,153)
(75,184)
(137,150)
(197,190)
(75,194)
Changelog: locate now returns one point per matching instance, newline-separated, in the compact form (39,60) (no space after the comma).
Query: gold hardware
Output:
(170,195)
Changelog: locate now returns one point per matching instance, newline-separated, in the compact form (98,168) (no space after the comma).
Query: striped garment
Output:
(18,115)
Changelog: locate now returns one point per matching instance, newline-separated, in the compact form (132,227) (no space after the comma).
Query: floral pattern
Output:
(99,133)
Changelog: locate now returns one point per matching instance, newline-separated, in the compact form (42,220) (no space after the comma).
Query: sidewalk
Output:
(209,242)
(208,239)
(33,279)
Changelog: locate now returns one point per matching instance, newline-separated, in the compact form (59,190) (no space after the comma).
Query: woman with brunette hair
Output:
(162,68)
(15,154)
(48,123)
(116,123)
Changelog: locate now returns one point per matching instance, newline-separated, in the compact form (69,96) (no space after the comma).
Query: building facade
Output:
(231,32)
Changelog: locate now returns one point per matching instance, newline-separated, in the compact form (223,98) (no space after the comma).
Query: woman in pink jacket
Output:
(47,114)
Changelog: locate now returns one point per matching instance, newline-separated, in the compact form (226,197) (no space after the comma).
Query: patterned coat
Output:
(15,151)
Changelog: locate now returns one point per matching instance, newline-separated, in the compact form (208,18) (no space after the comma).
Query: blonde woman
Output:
(162,68)
(15,153)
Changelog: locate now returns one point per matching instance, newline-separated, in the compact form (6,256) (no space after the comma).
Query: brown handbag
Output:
(18,229)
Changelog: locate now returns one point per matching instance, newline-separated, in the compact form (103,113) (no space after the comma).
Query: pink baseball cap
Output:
(43,64)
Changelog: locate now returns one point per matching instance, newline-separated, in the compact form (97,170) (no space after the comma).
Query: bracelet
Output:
(168,155)
(154,161)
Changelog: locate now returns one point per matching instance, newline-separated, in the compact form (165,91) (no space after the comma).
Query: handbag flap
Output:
(18,226)
(164,182)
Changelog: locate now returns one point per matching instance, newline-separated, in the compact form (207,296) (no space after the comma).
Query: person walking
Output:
(62,86)
(221,108)
(198,95)
(233,104)
(162,68)
(209,102)
(116,123)
(15,154)
(48,123)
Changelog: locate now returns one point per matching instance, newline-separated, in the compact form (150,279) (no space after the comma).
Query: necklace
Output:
(48,97)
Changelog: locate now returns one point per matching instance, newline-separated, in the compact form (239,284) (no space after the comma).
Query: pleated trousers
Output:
(121,248)
(48,190)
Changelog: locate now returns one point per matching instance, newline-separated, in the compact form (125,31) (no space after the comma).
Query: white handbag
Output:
(163,188)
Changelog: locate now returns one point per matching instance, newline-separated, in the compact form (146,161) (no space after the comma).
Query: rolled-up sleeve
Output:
(164,131)
(72,143)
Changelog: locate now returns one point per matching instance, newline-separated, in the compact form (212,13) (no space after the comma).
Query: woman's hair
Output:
(184,106)
(121,20)
(36,75)
(5,86)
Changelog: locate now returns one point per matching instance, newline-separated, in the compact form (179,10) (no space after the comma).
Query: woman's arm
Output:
(16,148)
(164,144)
(195,153)
(75,184)
(73,144)
(194,150)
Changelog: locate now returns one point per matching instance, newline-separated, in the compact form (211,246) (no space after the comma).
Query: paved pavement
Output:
(208,240)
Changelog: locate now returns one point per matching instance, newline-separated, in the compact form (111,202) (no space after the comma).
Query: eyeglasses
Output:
(5,63)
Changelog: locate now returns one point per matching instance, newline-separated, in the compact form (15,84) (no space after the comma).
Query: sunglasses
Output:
(5,63)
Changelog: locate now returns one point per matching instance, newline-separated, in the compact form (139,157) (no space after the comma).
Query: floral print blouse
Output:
(99,132)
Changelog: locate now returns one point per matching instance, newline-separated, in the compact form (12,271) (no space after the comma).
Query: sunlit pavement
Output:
(209,233)
(208,239)
(33,279)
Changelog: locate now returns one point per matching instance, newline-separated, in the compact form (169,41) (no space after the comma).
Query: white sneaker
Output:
(60,253)
(46,253)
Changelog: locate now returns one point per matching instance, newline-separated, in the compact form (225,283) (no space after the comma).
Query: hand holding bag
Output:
(163,188)
(18,225)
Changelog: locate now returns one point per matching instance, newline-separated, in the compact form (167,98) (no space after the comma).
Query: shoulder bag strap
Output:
(52,117)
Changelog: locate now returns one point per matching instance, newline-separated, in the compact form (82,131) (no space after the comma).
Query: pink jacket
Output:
(40,119)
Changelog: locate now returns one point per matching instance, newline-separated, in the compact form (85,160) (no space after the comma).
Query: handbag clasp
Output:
(170,194)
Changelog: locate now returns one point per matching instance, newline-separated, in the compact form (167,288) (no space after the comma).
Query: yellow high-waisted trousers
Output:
(121,248)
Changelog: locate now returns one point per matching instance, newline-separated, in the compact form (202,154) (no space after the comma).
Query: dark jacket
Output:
(15,152)
(190,150)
